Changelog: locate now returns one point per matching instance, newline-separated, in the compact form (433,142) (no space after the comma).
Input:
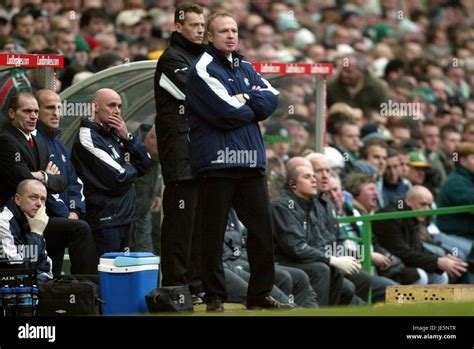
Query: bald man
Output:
(22,222)
(109,159)
(71,202)
(401,237)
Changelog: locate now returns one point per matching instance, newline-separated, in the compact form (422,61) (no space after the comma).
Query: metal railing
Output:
(366,238)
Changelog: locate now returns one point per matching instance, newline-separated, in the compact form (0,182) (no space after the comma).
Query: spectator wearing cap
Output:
(277,139)
(81,55)
(417,167)
(355,85)
(288,27)
(336,160)
(41,21)
(372,130)
(459,190)
(128,23)
(393,185)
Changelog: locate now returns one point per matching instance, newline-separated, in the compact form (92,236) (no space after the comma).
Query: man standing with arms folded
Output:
(225,100)
(179,256)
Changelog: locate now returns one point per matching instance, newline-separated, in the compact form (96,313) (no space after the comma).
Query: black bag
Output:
(70,296)
(396,268)
(170,299)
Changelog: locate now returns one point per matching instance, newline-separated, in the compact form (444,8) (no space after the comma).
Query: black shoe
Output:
(215,305)
(268,302)
(197,298)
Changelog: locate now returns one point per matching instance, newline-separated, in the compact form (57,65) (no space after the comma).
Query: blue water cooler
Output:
(125,279)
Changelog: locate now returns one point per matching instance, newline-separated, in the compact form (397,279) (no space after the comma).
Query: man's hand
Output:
(39,175)
(452,265)
(349,265)
(51,168)
(73,215)
(241,98)
(117,123)
(39,222)
(381,261)
(156,204)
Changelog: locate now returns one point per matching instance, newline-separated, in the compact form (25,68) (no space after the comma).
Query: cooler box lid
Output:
(124,259)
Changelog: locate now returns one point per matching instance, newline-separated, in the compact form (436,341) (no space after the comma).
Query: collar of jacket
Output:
(46,131)
(179,40)
(19,216)
(95,126)
(465,172)
(218,55)
(392,186)
(405,207)
(305,204)
(357,205)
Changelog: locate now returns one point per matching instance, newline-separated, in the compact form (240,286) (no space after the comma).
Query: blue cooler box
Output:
(125,279)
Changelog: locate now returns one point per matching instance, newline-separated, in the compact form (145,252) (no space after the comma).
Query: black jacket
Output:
(171,123)
(18,160)
(400,237)
(108,166)
(297,232)
(235,240)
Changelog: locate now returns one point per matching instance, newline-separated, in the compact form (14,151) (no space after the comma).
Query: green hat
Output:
(81,45)
(383,30)
(418,159)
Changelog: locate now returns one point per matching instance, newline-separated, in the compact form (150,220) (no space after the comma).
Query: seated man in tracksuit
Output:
(109,159)
(301,244)
(22,222)
(291,284)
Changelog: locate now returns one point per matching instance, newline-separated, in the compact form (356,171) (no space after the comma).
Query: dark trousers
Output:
(77,237)
(326,281)
(113,239)
(301,293)
(355,289)
(180,238)
(249,197)
(237,285)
